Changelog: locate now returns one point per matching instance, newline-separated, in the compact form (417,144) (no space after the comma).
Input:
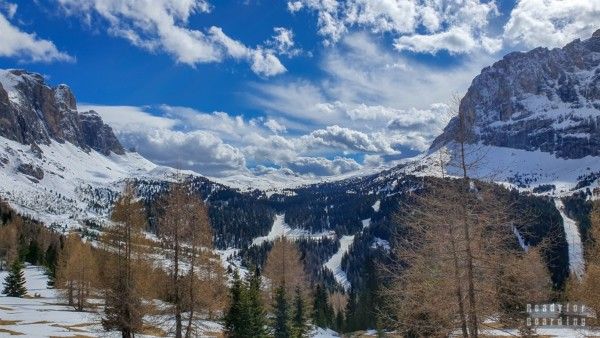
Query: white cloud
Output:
(198,150)
(551,23)
(283,42)
(422,26)
(345,138)
(456,40)
(320,166)
(162,25)
(24,46)
(129,118)
(275,126)
(9,8)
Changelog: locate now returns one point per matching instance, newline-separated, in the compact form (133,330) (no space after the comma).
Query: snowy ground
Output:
(576,260)
(334,264)
(41,313)
(281,229)
(511,166)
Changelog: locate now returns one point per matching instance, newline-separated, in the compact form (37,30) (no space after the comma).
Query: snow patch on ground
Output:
(576,260)
(334,264)
(281,229)
(376,205)
(323,333)
(512,167)
(42,313)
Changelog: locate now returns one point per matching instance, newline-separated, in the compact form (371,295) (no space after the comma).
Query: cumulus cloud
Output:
(345,138)
(25,46)
(197,150)
(275,126)
(129,118)
(162,25)
(371,90)
(320,166)
(283,42)
(551,23)
(418,26)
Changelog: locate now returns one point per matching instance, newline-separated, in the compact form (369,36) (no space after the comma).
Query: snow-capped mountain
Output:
(547,100)
(59,165)
(31,112)
(536,117)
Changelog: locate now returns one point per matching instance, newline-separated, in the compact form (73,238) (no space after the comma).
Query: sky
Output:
(257,87)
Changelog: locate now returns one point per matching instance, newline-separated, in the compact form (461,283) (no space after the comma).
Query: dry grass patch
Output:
(9,322)
(153,331)
(38,322)
(6,308)
(69,327)
(11,333)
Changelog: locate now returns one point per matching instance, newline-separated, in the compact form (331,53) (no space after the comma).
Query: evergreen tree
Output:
(33,253)
(235,323)
(14,283)
(281,319)
(256,314)
(299,321)
(351,316)
(50,260)
(322,310)
(339,321)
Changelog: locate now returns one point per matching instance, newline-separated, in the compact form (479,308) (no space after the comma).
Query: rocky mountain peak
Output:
(31,111)
(544,99)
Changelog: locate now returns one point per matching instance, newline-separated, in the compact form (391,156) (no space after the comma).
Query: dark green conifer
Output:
(14,283)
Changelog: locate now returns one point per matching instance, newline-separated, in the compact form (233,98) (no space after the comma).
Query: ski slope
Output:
(576,260)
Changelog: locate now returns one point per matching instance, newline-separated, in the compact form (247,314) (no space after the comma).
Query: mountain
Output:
(536,117)
(547,100)
(31,112)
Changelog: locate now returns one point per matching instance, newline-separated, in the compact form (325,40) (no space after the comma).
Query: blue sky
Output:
(310,87)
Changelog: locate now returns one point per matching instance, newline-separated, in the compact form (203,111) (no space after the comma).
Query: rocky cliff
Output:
(33,112)
(547,100)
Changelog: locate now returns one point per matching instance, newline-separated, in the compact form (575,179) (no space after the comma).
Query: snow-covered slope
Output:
(547,100)
(63,184)
(576,261)
(532,171)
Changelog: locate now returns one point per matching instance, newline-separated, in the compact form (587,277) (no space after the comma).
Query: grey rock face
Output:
(547,100)
(33,112)
(31,170)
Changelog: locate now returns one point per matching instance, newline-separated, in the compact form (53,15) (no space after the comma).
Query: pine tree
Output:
(299,321)
(50,260)
(322,310)
(235,323)
(14,283)
(351,312)
(281,319)
(256,314)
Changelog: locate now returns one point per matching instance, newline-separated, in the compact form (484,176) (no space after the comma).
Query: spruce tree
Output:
(235,321)
(299,321)
(14,283)
(351,317)
(256,314)
(322,310)
(281,319)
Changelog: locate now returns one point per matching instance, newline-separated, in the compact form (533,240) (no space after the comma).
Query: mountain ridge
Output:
(33,112)
(543,99)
